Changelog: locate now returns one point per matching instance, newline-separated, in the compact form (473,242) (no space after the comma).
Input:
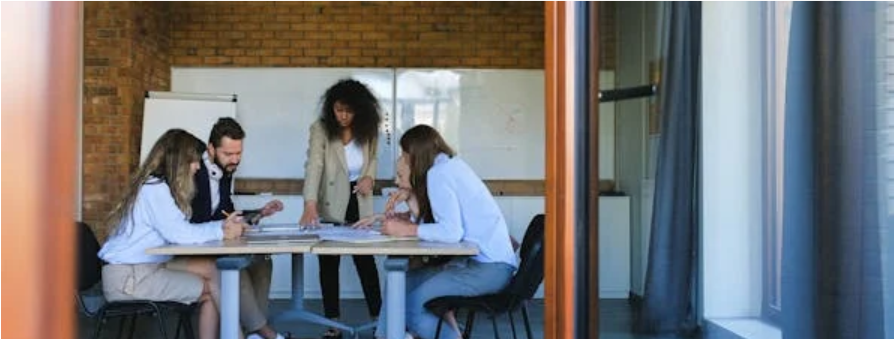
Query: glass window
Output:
(777,19)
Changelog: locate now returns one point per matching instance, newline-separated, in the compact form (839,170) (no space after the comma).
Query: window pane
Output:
(778,21)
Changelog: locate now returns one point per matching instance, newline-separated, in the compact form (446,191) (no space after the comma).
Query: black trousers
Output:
(366,269)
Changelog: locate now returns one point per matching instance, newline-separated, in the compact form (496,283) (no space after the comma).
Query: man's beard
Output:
(223,168)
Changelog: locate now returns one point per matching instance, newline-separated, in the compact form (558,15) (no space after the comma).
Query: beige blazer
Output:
(326,175)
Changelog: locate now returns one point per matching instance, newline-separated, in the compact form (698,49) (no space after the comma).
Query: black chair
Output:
(92,303)
(513,297)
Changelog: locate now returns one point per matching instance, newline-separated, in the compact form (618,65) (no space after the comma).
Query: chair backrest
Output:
(89,264)
(530,270)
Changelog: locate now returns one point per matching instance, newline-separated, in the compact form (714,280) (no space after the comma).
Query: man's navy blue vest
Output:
(201,203)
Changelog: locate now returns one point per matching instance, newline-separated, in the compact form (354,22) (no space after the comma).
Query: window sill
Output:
(741,328)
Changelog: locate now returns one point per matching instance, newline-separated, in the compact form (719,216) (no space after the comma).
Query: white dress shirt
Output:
(215,173)
(155,221)
(464,210)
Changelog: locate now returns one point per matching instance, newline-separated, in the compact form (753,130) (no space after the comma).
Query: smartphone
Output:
(252,217)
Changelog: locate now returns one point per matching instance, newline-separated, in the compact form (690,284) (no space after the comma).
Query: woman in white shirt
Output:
(155,212)
(454,205)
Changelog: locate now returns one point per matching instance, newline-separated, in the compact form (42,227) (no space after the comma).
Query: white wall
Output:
(731,172)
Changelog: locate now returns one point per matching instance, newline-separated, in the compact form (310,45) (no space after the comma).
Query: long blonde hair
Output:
(169,161)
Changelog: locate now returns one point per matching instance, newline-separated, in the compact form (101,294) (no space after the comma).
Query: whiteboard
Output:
(276,107)
(192,113)
(495,119)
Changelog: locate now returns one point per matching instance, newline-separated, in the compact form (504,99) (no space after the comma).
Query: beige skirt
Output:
(157,282)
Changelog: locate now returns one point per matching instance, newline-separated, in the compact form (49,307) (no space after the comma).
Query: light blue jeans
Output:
(460,276)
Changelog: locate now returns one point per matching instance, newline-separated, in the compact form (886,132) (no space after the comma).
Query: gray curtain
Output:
(668,301)
(835,189)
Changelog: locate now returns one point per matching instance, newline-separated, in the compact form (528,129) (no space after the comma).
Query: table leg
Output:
(396,296)
(297,311)
(229,294)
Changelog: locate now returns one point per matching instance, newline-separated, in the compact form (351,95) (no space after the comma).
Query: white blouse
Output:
(354,157)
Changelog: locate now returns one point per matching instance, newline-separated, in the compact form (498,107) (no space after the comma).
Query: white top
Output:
(464,210)
(155,221)
(354,159)
(215,173)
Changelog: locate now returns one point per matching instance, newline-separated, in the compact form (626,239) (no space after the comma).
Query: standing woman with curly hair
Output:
(339,175)
(155,212)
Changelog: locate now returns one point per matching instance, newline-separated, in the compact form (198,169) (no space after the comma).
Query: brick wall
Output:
(608,35)
(126,52)
(359,34)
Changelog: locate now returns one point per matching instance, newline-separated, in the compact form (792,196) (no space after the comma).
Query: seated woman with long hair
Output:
(452,205)
(155,212)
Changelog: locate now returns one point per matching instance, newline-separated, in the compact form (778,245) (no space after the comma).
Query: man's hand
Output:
(399,227)
(309,218)
(364,186)
(271,207)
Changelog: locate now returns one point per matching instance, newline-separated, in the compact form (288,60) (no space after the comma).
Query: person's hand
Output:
(396,198)
(366,223)
(399,227)
(364,186)
(271,207)
(233,226)
(309,218)
(398,215)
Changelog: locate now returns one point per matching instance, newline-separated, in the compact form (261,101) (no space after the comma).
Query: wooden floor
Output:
(615,319)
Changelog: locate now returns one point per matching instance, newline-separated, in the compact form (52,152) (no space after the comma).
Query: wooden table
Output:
(237,254)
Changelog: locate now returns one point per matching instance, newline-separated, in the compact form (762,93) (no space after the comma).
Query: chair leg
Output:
(187,318)
(493,320)
(527,323)
(512,324)
(470,320)
(160,318)
(128,322)
(179,325)
(438,329)
(100,320)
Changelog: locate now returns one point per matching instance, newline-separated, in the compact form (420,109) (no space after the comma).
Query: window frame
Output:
(777,19)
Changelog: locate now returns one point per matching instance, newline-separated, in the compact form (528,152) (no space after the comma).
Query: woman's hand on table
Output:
(233,226)
(309,218)
(368,222)
(399,227)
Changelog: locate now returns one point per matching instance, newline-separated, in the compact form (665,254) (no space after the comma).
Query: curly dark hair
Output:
(356,95)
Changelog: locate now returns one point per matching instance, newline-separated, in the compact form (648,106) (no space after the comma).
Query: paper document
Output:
(347,234)
(266,238)
(328,232)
